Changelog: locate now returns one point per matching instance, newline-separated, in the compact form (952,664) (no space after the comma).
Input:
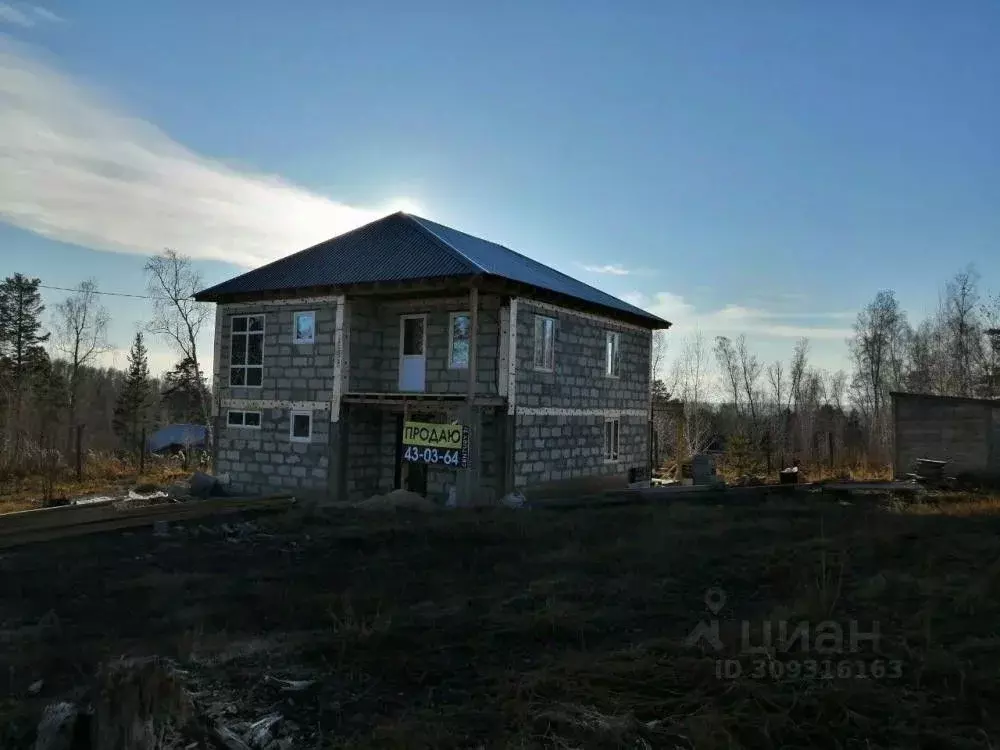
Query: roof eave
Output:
(416,286)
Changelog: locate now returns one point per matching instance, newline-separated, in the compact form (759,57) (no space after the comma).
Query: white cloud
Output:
(26,15)
(733,320)
(78,170)
(45,14)
(614,270)
(11,14)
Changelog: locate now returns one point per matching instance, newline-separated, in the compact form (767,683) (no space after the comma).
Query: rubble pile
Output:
(137,704)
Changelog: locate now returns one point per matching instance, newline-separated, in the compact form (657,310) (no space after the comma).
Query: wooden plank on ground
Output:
(110,519)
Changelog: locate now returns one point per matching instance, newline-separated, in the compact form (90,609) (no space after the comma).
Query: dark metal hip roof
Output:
(402,247)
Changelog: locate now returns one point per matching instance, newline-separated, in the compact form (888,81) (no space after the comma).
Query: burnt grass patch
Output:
(535,628)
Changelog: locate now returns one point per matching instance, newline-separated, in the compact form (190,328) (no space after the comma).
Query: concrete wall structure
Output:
(536,429)
(561,413)
(374,337)
(963,431)
(264,458)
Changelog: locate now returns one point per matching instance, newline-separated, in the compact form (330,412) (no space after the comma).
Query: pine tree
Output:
(184,392)
(21,336)
(22,356)
(134,400)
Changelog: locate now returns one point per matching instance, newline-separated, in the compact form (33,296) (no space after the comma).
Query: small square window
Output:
(301,426)
(545,343)
(243,419)
(612,354)
(458,341)
(611,439)
(304,324)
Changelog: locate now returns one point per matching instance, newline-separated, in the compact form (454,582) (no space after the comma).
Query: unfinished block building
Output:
(322,359)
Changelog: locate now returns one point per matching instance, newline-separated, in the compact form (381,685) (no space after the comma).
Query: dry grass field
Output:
(101,475)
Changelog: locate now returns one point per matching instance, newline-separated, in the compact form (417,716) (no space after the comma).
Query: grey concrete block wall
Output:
(963,431)
(366,346)
(579,380)
(558,448)
(260,460)
(293,372)
(546,448)
(365,449)
(266,458)
(374,345)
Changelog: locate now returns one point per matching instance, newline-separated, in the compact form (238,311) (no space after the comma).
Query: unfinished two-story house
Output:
(409,354)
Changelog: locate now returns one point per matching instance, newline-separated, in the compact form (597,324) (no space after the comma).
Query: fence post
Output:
(79,452)
(767,444)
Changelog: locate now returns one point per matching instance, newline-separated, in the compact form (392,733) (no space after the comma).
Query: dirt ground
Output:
(534,628)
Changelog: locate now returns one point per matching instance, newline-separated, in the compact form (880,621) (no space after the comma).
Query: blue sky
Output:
(759,167)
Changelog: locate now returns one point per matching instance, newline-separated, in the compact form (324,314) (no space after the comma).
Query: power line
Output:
(96,291)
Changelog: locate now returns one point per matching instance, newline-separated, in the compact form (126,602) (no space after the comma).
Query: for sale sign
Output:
(432,443)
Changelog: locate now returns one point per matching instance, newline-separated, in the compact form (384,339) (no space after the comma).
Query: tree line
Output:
(765,415)
(761,415)
(56,399)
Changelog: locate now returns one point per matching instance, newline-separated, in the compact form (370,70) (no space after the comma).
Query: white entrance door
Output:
(412,352)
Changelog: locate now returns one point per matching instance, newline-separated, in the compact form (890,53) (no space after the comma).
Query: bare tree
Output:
(926,366)
(178,318)
(880,335)
(836,388)
(657,355)
(750,369)
(798,371)
(776,383)
(960,322)
(691,385)
(729,368)
(81,335)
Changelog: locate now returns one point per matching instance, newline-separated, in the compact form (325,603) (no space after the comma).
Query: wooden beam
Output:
(339,358)
(473,342)
(405,470)
(511,373)
(470,483)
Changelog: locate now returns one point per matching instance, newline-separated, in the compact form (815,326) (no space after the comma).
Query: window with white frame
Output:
(304,328)
(300,426)
(545,343)
(244,419)
(246,351)
(459,327)
(612,354)
(611,438)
